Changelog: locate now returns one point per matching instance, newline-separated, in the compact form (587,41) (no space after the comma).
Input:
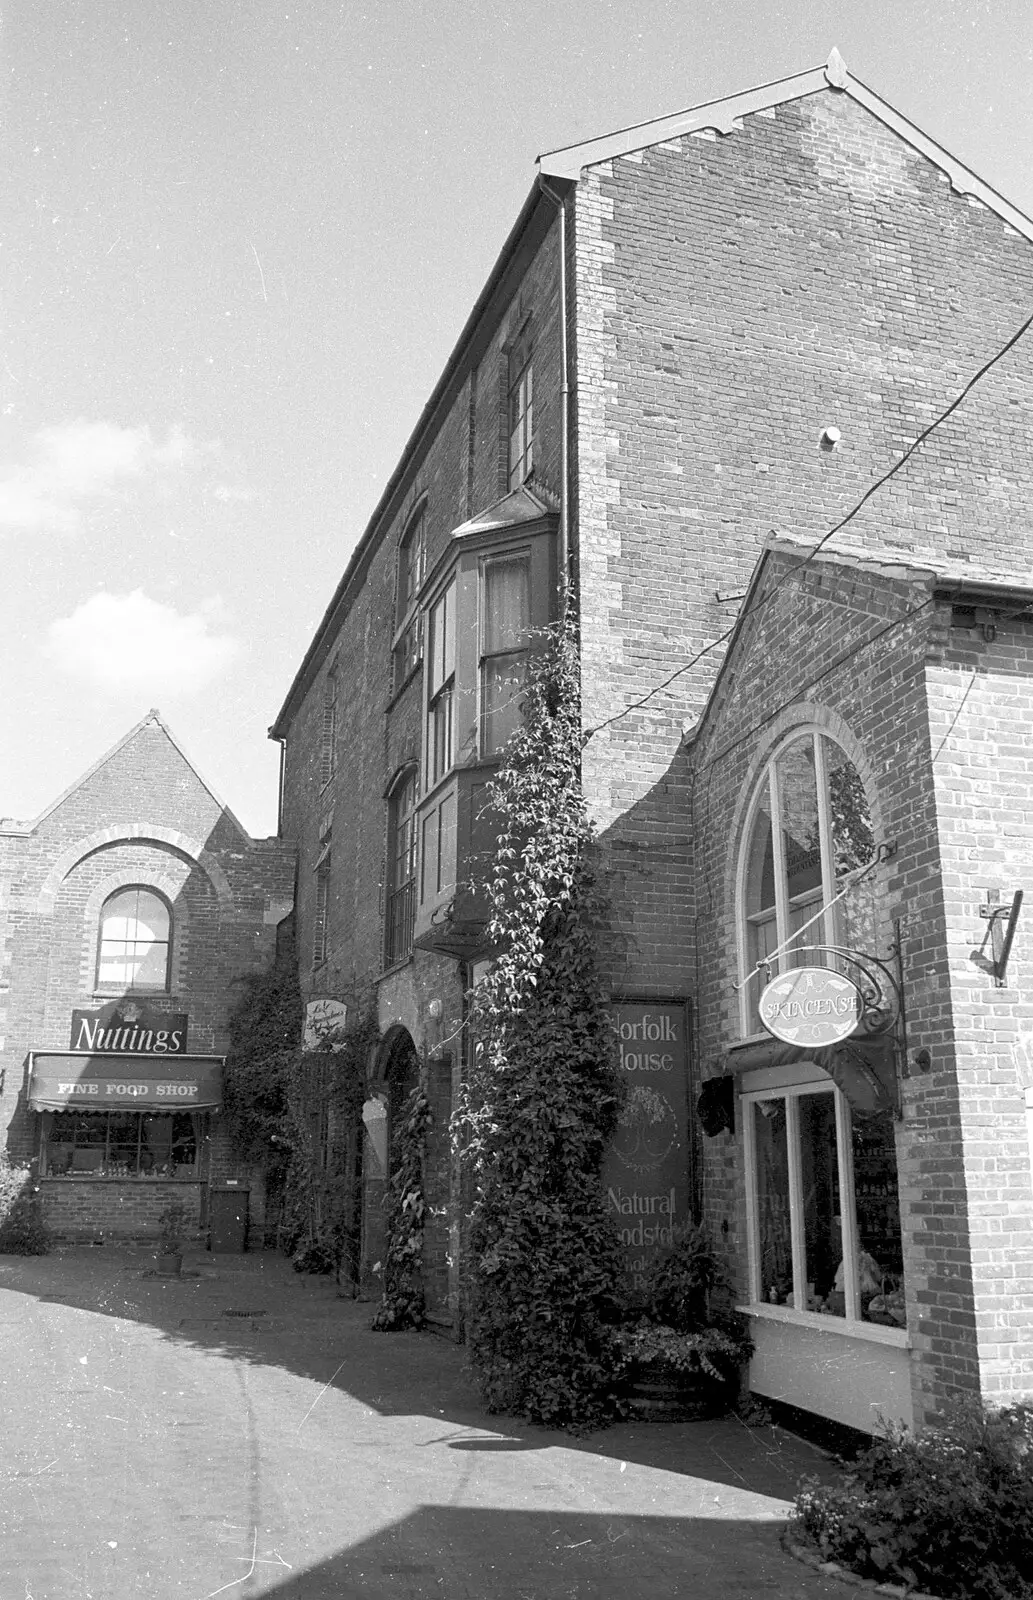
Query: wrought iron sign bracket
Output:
(1000,932)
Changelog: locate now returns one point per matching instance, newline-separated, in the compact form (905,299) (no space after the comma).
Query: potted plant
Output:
(172,1223)
(683,1356)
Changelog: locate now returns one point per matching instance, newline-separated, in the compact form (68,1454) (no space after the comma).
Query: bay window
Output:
(492,586)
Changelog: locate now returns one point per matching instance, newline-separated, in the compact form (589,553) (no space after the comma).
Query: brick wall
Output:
(83,1210)
(734,296)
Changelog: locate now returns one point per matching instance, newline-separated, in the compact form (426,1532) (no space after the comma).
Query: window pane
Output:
(440,734)
(880,1254)
(772,1175)
(149,964)
(801,845)
(761,927)
(443,639)
(507,604)
(853,846)
(502,687)
(429,857)
(822,1213)
(447,863)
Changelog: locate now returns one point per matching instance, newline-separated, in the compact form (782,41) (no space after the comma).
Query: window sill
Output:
(873,1332)
(398,965)
(115,993)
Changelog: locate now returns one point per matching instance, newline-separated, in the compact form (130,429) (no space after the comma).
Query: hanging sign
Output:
(325,1022)
(646,1168)
(810,1006)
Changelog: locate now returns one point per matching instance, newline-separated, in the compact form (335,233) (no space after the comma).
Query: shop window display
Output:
(121,1144)
(814,1162)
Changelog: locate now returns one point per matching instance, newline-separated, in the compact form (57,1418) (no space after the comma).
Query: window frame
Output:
(768,784)
(514,554)
(108,988)
(520,419)
(791,1093)
(400,817)
(407,634)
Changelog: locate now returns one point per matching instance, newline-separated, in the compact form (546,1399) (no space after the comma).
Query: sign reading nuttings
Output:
(646,1169)
(810,1006)
(124,1028)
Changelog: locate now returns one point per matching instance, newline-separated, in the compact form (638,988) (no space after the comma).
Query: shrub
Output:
(949,1510)
(402,1305)
(22,1229)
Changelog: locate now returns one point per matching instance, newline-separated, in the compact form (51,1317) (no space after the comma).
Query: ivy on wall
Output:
(297,1113)
(402,1305)
(542,1094)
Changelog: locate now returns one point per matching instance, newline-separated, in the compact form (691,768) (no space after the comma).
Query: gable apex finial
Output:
(835,70)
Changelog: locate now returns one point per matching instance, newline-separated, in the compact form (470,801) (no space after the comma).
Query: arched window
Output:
(135,941)
(808,830)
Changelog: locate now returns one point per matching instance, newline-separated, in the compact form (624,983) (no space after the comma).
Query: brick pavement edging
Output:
(832,1569)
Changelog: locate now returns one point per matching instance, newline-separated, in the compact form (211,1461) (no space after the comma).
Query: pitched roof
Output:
(152,719)
(725,117)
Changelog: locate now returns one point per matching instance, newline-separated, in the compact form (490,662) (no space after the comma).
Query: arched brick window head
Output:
(135,942)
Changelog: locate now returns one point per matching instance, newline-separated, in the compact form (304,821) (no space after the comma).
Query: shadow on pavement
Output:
(469,1554)
(258,1311)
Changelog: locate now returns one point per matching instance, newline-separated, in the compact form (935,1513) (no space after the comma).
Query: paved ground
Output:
(152,1444)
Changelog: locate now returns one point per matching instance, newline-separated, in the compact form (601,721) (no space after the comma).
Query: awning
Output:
(863,1066)
(141,1083)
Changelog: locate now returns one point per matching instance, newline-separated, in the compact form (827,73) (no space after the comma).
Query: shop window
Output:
(408,638)
(328,751)
(521,422)
(809,829)
(121,1144)
(505,627)
(135,943)
(401,868)
(825,1233)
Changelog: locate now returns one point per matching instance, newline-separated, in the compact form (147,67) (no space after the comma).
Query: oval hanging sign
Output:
(810,1006)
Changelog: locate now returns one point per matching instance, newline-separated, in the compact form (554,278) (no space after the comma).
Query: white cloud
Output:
(130,644)
(231,492)
(65,468)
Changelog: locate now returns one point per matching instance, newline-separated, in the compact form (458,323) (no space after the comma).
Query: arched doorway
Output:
(395,1077)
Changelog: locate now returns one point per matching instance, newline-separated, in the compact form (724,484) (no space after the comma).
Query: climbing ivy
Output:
(542,1094)
(402,1305)
(279,1101)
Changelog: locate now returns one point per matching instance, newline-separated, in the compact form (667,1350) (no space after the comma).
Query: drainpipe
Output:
(564,551)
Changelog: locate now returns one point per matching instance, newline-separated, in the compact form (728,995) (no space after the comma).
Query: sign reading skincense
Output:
(810,1006)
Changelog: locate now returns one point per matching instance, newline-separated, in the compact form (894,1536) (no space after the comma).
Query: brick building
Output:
(126,911)
(706,343)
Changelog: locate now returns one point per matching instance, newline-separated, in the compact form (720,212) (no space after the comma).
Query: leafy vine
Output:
(402,1305)
(542,1095)
(297,1113)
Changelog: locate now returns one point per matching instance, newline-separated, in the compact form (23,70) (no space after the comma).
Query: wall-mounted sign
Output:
(325,1022)
(810,1006)
(646,1169)
(141,1083)
(125,1028)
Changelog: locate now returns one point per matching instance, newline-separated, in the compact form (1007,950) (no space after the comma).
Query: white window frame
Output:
(768,785)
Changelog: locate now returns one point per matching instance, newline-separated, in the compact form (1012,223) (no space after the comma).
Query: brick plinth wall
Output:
(86,1209)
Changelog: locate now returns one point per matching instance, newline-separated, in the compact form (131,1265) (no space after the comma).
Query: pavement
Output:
(241,1431)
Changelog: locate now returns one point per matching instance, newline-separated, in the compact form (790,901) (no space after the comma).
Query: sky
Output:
(238,241)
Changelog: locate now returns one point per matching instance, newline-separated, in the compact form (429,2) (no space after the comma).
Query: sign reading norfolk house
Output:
(646,1170)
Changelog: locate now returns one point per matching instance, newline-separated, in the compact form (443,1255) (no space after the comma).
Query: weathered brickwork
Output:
(142,817)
